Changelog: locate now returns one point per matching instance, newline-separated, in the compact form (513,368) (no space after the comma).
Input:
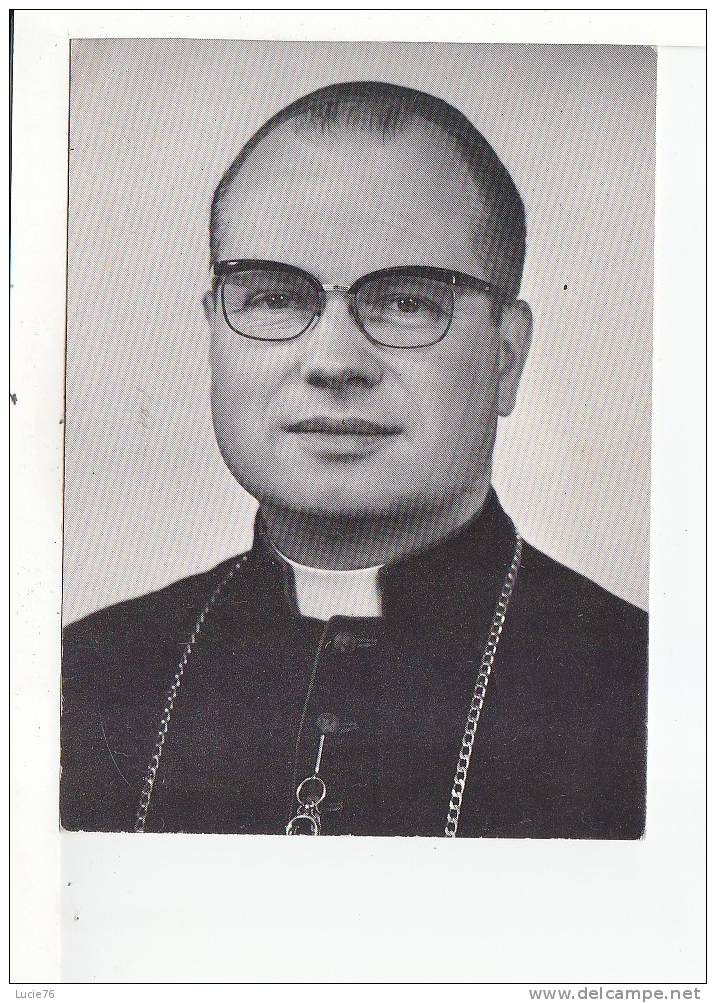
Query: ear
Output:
(515,339)
(209,304)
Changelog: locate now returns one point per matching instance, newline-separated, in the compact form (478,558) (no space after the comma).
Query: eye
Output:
(273,300)
(409,304)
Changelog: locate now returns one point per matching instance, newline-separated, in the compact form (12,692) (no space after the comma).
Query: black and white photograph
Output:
(413,642)
(357,426)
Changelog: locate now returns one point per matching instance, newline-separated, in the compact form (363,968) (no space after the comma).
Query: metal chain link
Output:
(473,716)
(153,768)
(478,696)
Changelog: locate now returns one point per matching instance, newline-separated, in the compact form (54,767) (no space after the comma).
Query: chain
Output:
(311,791)
(153,768)
(478,696)
(308,801)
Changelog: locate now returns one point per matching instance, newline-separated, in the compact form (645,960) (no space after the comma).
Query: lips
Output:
(341,426)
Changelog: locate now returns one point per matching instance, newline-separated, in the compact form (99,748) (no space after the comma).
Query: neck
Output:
(341,542)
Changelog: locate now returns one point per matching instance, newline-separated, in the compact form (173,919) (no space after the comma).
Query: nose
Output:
(337,356)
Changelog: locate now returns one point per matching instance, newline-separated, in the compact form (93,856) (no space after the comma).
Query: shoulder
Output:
(133,644)
(592,644)
(582,655)
(154,616)
(116,667)
(571,600)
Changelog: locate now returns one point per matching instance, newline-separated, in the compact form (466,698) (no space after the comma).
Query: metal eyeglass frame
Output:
(452,279)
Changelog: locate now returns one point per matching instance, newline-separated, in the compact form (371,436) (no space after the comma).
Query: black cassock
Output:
(560,748)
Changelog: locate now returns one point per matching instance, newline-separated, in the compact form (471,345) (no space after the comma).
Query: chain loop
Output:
(478,696)
(308,812)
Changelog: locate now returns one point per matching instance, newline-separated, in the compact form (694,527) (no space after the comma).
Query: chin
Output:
(332,502)
(342,493)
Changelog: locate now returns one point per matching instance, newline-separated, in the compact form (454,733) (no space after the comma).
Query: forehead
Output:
(346,203)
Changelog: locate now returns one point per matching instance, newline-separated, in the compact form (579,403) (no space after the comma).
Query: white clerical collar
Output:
(321,593)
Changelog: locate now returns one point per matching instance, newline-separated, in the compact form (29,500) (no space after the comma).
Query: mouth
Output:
(342,426)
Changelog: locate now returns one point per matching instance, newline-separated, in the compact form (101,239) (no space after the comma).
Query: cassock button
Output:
(344,643)
(328,724)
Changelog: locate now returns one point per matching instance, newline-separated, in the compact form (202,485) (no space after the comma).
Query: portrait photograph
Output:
(357,439)
(357,424)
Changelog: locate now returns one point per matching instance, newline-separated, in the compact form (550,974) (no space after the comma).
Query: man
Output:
(389,658)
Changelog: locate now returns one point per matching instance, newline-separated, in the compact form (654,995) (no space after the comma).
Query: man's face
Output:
(341,206)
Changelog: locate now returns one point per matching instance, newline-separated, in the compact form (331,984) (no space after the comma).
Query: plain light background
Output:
(154,123)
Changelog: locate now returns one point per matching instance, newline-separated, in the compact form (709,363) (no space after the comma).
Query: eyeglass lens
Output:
(401,310)
(271,305)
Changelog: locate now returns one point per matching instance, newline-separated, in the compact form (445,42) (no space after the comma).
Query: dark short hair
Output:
(386,109)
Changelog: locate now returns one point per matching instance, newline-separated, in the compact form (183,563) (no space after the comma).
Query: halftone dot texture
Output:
(154,125)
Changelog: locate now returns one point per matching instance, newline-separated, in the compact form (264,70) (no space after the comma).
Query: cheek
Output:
(228,394)
(459,392)
(241,382)
(238,416)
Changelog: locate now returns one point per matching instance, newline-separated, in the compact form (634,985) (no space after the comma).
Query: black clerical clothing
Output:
(560,748)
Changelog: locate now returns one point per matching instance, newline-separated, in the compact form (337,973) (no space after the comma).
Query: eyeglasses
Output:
(406,307)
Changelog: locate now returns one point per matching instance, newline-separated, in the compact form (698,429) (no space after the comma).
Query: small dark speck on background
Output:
(13,398)
(565,287)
